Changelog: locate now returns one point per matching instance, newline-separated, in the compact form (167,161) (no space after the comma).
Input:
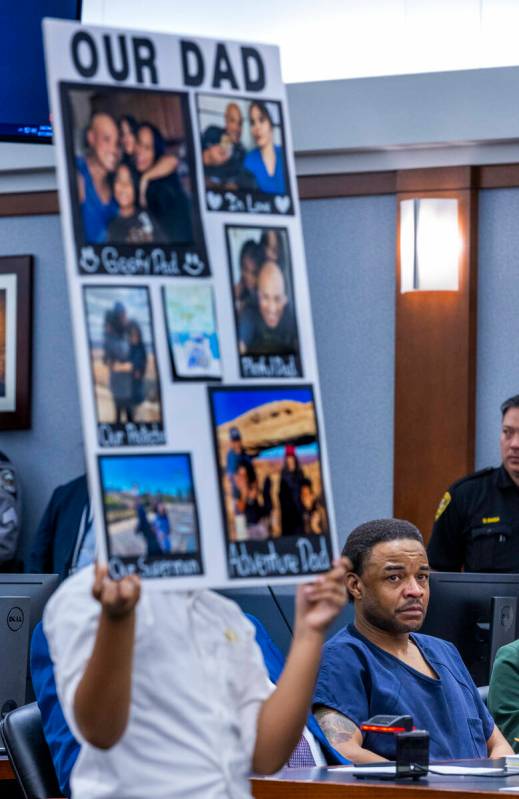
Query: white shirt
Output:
(198,684)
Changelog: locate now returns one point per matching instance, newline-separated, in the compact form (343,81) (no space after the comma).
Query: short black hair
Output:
(511,402)
(363,538)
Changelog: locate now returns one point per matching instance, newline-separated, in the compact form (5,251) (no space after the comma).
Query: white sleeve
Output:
(70,624)
(253,682)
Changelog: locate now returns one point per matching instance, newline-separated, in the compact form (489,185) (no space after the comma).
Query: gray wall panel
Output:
(52,451)
(498,316)
(350,250)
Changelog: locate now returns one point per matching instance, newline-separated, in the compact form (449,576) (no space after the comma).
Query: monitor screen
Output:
(38,588)
(24,105)
(460,611)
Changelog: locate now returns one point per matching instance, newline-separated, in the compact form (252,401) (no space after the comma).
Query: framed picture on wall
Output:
(15,341)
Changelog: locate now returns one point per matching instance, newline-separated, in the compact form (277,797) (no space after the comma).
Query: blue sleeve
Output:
(63,746)
(343,683)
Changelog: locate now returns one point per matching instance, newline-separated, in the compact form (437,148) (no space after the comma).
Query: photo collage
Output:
(186,311)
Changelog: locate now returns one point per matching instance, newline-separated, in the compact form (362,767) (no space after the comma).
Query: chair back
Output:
(29,754)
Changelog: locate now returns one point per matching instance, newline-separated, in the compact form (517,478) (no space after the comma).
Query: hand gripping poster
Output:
(200,400)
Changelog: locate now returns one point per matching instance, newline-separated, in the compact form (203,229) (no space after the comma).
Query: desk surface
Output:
(322,783)
(6,772)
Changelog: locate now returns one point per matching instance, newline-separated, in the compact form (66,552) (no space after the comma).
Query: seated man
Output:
(503,692)
(381,665)
(169,695)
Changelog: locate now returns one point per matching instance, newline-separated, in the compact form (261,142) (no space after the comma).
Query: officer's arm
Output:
(445,549)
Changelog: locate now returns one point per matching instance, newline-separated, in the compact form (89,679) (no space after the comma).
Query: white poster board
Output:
(193,332)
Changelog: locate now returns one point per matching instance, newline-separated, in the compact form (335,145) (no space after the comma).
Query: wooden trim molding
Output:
(29,203)
(435,373)
(361,184)
(318,187)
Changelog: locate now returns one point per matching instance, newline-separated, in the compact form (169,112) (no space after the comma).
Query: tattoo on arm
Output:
(337,728)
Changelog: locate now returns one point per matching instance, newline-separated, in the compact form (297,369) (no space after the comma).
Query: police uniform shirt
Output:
(477,525)
(198,684)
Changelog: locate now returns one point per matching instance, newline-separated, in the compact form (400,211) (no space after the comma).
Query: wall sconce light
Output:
(430,245)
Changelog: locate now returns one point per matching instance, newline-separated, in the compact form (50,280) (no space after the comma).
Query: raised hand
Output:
(118,598)
(319,602)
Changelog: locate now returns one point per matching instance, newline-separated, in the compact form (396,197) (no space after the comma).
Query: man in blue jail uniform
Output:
(380,664)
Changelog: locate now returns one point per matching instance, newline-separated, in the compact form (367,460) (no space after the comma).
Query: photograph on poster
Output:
(132,181)
(150,515)
(270,480)
(264,303)
(124,366)
(244,155)
(194,349)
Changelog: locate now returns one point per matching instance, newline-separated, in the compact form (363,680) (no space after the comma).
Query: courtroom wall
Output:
(350,246)
(498,316)
(51,452)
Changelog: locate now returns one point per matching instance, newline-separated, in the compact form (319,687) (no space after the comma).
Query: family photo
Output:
(190,314)
(263,299)
(244,155)
(123,364)
(149,506)
(267,447)
(132,174)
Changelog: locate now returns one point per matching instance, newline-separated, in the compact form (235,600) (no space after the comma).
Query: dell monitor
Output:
(33,591)
(477,613)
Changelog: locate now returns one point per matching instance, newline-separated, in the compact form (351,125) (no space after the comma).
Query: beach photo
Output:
(194,348)
(150,509)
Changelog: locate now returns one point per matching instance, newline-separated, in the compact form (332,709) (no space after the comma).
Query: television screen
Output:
(24,105)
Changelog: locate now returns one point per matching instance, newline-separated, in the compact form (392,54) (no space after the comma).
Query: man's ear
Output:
(353,585)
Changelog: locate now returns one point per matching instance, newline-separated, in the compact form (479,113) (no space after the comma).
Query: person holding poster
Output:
(132,676)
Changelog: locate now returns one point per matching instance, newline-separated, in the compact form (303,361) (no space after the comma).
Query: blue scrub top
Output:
(360,680)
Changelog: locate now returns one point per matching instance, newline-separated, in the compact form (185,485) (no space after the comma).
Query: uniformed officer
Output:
(477,521)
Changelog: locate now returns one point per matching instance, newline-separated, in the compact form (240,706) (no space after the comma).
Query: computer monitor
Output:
(461,611)
(37,588)
(24,110)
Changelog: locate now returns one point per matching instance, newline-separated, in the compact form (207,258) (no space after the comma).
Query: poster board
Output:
(200,400)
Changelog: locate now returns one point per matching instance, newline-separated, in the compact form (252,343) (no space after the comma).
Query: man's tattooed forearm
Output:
(337,728)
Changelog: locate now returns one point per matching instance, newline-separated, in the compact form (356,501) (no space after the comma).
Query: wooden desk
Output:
(321,783)
(6,772)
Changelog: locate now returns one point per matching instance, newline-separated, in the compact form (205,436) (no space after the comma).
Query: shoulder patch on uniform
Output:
(443,504)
